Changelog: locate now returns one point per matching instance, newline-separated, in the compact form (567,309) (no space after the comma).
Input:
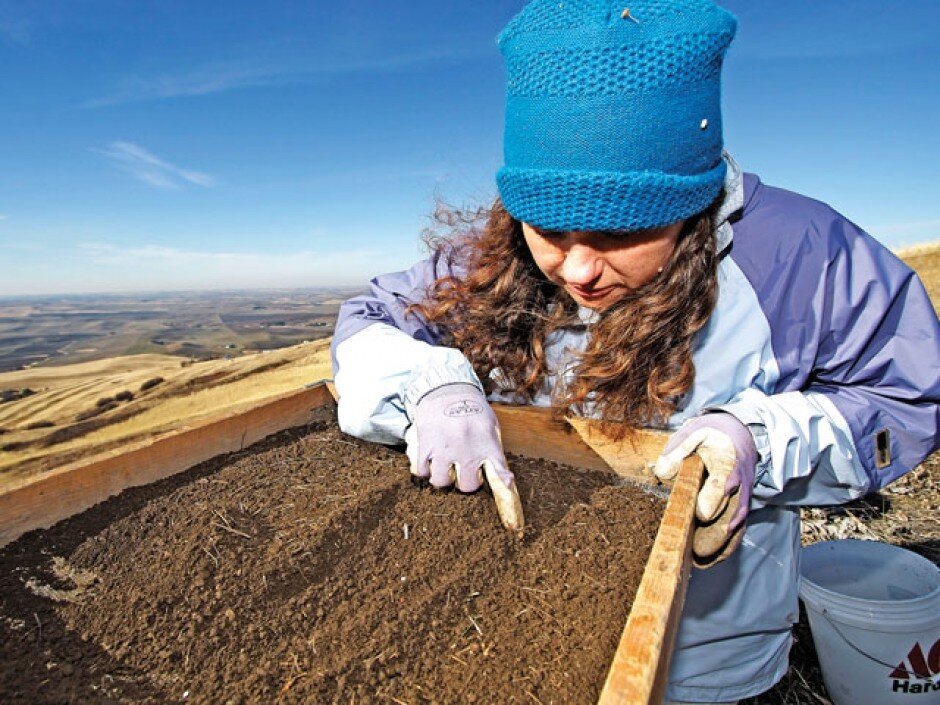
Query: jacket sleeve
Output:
(385,361)
(868,411)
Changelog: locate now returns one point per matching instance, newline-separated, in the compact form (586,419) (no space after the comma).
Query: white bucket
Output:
(874,610)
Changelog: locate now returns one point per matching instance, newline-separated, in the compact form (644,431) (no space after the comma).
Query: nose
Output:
(583,265)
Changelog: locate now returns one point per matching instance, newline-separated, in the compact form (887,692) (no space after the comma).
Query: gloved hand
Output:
(729,455)
(454,439)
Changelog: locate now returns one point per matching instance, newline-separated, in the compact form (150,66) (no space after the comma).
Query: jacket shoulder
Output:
(779,227)
(782,238)
(816,276)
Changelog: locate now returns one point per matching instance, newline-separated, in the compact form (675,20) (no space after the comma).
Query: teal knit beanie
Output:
(613,112)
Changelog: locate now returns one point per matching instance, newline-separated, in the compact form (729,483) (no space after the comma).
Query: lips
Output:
(590,294)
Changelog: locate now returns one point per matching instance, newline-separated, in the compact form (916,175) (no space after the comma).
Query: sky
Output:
(166,145)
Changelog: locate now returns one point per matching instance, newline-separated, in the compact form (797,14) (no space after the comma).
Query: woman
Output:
(631,272)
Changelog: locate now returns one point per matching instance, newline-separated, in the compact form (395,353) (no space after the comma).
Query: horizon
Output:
(163,148)
(157,293)
(351,287)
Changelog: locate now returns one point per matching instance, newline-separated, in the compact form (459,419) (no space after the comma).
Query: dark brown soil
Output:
(309,568)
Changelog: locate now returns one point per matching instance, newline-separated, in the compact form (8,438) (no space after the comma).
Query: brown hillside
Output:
(81,409)
(925,260)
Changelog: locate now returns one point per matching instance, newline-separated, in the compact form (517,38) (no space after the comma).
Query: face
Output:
(598,268)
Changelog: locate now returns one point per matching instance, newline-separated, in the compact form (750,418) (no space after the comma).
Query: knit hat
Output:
(613,112)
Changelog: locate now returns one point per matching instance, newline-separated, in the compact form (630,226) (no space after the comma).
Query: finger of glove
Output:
(418,469)
(469,476)
(443,473)
(714,545)
(498,464)
(718,455)
(712,499)
(708,539)
(738,507)
(508,502)
(711,537)
(459,460)
(668,464)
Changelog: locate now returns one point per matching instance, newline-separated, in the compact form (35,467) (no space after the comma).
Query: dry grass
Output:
(68,394)
(925,260)
(67,375)
(63,392)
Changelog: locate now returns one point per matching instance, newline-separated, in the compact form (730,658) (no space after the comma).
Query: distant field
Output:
(69,329)
(86,373)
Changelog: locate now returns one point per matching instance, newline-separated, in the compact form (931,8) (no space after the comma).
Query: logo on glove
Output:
(464,407)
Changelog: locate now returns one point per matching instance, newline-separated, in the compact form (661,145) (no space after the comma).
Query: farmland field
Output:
(84,374)
(69,329)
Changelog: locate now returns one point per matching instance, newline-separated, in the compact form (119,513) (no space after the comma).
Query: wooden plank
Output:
(640,665)
(531,431)
(75,487)
(631,457)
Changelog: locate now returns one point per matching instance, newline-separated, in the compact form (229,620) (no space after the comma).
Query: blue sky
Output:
(197,145)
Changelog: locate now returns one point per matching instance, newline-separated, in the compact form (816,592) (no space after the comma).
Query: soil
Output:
(309,568)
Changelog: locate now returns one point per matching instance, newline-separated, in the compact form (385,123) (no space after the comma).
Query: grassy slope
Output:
(925,260)
(58,376)
(188,392)
(65,391)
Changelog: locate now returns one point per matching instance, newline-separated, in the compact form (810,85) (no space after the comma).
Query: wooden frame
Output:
(639,668)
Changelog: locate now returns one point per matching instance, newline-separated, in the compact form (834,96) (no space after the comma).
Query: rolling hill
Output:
(77,410)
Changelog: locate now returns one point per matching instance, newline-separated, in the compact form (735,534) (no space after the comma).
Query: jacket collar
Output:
(733,203)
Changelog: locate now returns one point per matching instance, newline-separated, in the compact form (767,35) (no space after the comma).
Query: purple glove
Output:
(729,455)
(453,434)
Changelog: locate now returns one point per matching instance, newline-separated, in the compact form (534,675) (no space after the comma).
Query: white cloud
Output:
(3,216)
(151,169)
(918,228)
(201,81)
(899,235)
(226,76)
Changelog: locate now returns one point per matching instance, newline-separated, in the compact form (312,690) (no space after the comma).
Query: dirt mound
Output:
(310,569)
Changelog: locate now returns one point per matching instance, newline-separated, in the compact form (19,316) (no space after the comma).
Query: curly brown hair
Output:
(498,308)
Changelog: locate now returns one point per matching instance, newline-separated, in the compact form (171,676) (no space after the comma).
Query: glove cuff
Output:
(747,414)
(454,369)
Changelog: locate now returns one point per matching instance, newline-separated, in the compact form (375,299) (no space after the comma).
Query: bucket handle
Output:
(835,627)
